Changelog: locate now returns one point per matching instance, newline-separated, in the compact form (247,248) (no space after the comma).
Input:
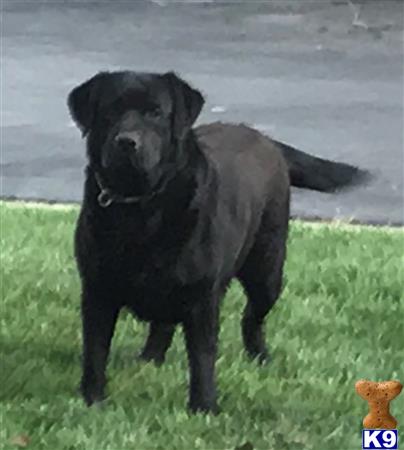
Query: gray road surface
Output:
(299,71)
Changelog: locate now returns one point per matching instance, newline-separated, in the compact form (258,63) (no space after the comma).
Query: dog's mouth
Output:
(121,186)
(127,181)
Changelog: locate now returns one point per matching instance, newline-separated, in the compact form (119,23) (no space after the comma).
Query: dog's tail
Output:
(319,174)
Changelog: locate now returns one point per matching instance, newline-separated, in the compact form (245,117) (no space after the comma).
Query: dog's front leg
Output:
(201,334)
(99,316)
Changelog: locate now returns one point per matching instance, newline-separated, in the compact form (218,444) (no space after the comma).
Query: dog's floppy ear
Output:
(82,102)
(187,104)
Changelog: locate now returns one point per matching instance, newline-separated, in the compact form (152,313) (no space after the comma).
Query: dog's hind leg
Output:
(157,343)
(261,276)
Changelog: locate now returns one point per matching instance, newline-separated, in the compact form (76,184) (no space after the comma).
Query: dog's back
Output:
(239,143)
(249,163)
(262,156)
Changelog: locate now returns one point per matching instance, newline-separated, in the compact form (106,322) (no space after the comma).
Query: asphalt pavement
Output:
(322,76)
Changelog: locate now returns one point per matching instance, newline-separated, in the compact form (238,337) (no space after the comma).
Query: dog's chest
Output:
(136,258)
(133,249)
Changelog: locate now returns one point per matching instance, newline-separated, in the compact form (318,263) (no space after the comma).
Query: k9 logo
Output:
(382,439)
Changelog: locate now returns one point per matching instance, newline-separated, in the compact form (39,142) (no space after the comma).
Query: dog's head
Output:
(135,123)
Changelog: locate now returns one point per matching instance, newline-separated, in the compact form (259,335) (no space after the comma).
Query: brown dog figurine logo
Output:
(379,395)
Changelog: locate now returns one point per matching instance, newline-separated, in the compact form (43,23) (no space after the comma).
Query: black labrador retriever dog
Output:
(172,213)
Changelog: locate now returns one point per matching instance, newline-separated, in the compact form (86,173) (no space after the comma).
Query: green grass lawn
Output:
(340,319)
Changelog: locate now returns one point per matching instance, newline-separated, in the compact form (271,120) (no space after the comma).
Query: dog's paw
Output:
(262,358)
(145,357)
(204,408)
(92,394)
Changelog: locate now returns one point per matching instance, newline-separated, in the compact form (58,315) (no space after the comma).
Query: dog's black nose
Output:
(128,141)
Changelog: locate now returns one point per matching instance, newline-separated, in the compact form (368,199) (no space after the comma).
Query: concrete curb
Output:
(329,221)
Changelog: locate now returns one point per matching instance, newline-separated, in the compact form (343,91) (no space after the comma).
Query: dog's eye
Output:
(154,113)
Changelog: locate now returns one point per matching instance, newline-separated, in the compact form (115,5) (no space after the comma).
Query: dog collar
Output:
(106,197)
